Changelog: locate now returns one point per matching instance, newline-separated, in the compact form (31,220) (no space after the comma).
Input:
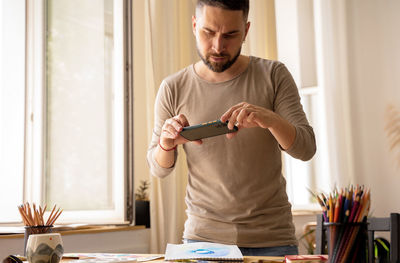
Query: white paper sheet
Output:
(203,250)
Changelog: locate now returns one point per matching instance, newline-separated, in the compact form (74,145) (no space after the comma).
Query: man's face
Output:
(219,36)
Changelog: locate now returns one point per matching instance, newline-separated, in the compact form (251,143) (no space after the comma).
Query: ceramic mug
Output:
(44,248)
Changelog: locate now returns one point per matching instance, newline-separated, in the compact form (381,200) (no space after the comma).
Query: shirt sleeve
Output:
(287,105)
(162,110)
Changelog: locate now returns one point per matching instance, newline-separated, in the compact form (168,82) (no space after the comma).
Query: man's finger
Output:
(231,135)
(182,120)
(242,115)
(198,142)
(181,140)
(228,113)
(171,130)
(172,127)
(233,119)
(177,122)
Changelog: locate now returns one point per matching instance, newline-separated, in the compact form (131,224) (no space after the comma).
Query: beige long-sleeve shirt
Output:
(236,193)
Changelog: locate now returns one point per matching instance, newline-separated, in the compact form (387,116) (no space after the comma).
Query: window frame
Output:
(35,131)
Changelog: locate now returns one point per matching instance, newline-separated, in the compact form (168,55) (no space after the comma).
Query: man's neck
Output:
(207,74)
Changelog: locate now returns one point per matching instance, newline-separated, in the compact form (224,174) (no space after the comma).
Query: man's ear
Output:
(194,25)
(246,30)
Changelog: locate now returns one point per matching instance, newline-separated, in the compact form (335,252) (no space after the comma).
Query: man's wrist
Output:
(166,149)
(275,122)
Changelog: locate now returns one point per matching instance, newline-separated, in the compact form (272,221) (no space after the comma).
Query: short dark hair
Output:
(228,5)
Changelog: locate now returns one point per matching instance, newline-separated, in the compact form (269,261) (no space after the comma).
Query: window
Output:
(77,150)
(304,176)
(297,48)
(12,106)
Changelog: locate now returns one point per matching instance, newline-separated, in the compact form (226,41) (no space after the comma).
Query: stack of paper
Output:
(203,251)
(99,257)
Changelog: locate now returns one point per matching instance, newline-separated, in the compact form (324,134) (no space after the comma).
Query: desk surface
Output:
(160,259)
(247,259)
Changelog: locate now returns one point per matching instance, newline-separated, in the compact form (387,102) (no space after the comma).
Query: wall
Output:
(374,78)
(360,43)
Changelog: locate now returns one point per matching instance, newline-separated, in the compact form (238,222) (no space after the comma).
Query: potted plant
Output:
(142,204)
(392,128)
(308,238)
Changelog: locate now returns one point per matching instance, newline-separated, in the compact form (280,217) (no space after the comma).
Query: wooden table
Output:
(247,259)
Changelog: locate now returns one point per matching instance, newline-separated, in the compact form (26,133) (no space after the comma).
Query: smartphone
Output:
(205,130)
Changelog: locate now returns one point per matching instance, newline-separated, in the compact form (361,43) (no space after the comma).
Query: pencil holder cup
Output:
(29,230)
(347,242)
(44,248)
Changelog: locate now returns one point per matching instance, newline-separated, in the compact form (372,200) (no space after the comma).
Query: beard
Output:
(218,66)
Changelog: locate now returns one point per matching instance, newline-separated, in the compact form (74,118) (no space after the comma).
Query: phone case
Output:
(206,130)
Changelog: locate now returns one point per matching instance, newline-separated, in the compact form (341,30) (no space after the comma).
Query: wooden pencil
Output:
(50,216)
(56,217)
(33,216)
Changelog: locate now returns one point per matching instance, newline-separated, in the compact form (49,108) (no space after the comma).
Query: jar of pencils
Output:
(34,221)
(347,242)
(345,214)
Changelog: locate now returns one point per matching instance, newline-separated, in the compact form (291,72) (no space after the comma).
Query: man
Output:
(236,193)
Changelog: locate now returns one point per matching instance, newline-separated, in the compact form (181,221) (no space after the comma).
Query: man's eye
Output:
(229,36)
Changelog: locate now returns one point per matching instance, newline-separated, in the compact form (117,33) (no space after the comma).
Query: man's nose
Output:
(218,44)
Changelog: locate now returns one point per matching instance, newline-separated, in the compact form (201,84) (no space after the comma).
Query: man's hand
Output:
(169,138)
(170,132)
(245,115)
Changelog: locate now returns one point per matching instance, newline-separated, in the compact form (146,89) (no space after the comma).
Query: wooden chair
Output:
(391,224)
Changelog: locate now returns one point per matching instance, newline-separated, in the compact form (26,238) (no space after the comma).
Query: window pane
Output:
(80,92)
(300,175)
(12,107)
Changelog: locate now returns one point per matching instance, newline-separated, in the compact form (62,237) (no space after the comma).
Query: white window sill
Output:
(304,210)
(17,232)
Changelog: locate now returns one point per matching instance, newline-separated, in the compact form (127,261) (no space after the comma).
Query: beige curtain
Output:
(169,45)
(261,39)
